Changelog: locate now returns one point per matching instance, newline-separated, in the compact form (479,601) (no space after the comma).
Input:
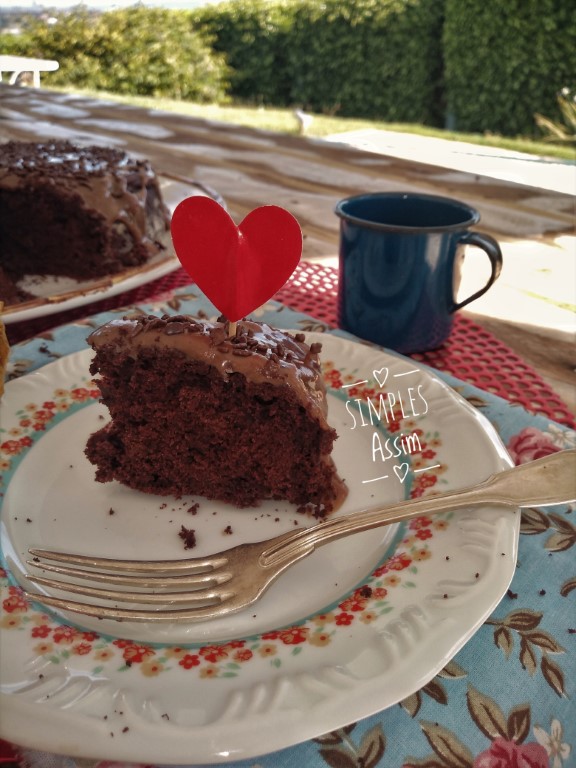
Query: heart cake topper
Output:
(237,267)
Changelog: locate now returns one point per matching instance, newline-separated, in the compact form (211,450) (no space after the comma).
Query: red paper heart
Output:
(238,268)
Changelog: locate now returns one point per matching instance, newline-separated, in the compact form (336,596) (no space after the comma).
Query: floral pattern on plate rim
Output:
(56,642)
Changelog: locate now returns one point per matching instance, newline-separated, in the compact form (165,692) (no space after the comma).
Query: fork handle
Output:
(547,481)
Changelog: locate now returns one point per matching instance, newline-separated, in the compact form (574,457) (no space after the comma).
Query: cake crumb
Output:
(366,591)
(111,511)
(512,595)
(193,509)
(228,530)
(188,536)
(317,511)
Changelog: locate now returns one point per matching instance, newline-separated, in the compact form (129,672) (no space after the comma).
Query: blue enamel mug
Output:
(400,261)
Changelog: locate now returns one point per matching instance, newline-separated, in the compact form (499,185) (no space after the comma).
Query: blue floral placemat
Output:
(506,700)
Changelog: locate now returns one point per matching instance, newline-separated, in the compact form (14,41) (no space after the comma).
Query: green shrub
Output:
(254,36)
(143,51)
(9,45)
(369,58)
(505,61)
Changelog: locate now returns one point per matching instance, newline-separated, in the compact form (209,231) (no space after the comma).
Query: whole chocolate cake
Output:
(195,411)
(79,212)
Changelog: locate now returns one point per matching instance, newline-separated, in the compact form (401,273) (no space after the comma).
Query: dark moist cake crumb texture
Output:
(79,212)
(241,422)
(188,536)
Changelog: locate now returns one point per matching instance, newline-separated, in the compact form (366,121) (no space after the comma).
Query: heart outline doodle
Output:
(241,267)
(401,471)
(377,376)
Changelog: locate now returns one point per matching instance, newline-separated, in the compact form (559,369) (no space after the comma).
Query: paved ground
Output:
(530,170)
(537,286)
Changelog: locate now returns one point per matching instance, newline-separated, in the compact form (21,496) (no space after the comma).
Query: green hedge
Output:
(144,51)
(505,61)
(364,58)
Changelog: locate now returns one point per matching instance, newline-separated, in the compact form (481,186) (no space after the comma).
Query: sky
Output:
(101,4)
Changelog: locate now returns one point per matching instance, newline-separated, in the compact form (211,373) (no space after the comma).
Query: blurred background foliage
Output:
(143,51)
(484,66)
(506,60)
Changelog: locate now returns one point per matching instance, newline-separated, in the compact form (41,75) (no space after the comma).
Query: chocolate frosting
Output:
(257,351)
(108,180)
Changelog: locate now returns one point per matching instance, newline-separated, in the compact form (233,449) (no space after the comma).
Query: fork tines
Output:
(165,584)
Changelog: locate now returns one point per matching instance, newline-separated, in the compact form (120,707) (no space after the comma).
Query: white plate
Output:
(314,654)
(59,294)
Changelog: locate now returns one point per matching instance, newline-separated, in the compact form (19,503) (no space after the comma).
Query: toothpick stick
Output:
(232,329)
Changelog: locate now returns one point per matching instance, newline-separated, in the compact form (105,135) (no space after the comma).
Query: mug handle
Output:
(492,250)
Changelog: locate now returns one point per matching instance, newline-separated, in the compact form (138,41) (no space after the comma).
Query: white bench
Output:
(20,64)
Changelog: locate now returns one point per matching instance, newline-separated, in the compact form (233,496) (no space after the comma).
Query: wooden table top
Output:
(308,176)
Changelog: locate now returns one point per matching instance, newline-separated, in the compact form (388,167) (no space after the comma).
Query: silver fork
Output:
(229,581)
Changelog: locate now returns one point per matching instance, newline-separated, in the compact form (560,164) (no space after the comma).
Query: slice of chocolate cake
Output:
(79,212)
(194,411)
